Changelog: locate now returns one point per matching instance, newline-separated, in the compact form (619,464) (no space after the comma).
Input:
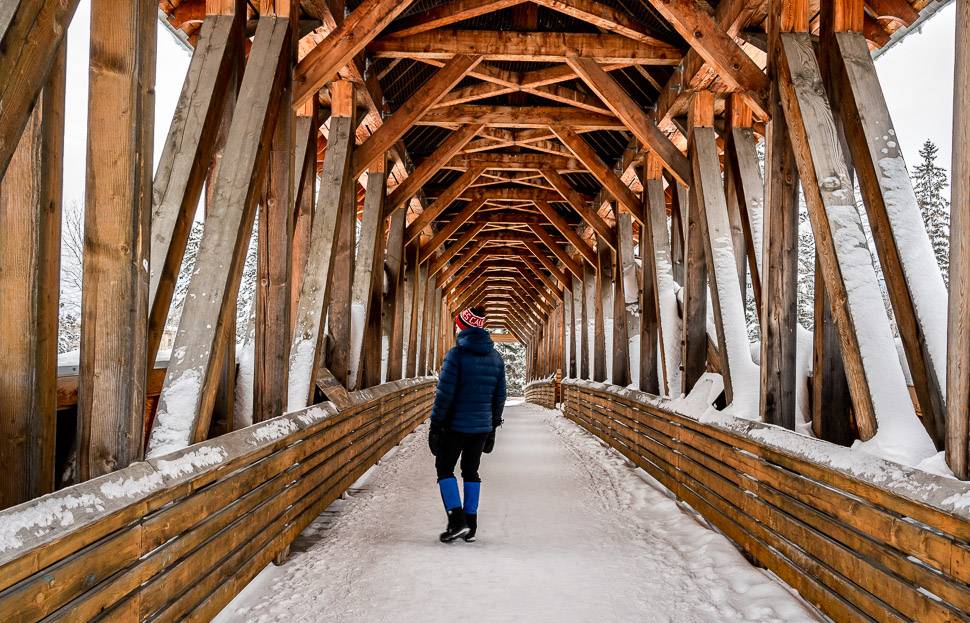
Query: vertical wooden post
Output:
(958,324)
(695,295)
(415,288)
(340,312)
(316,283)
(274,253)
(573,364)
(726,301)
(394,309)
(30,233)
(679,210)
(779,292)
(117,223)
(160,289)
(587,342)
(651,335)
(602,307)
(368,280)
(625,295)
(305,201)
(749,186)
(831,402)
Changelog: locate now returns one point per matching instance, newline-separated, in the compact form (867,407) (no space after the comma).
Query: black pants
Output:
(467,446)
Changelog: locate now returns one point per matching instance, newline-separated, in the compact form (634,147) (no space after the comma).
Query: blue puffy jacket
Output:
(471,385)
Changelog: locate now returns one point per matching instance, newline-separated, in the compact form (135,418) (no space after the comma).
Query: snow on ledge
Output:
(50,517)
(921,487)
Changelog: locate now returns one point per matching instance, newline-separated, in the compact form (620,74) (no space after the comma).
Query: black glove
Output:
(435,435)
(489,442)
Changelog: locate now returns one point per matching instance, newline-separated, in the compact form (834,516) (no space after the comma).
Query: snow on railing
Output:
(857,535)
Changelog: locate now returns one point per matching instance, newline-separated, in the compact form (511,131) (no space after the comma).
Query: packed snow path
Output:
(568,531)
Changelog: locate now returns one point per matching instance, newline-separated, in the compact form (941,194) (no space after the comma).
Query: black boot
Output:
(457,527)
(472,521)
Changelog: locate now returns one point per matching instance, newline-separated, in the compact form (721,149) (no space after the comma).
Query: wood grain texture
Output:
(117,222)
(30,236)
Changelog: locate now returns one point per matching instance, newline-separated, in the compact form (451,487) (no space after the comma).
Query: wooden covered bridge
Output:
(611,179)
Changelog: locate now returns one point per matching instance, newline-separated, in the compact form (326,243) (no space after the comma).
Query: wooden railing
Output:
(859,537)
(542,392)
(176,538)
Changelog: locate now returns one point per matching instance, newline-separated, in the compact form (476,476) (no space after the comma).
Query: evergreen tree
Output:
(514,356)
(930,183)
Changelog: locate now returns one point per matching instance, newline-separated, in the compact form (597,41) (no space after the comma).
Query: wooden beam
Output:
(274,253)
(446,232)
(574,267)
(717,48)
(831,402)
(365,350)
(394,299)
(460,262)
(340,310)
(321,64)
(305,202)
(538,117)
(406,114)
(610,180)
(694,361)
(566,230)
(577,203)
(749,188)
(439,262)
(913,277)
(30,244)
(447,14)
(315,291)
(624,287)
(430,165)
(524,161)
(416,274)
(542,47)
(633,117)
(30,40)
(872,365)
(958,320)
(658,286)
(726,301)
(602,306)
(586,329)
(185,159)
(778,314)
(549,264)
(602,16)
(117,222)
(441,203)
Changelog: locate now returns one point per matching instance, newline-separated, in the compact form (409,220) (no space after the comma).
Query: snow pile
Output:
(301,373)
(899,436)
(923,275)
(242,412)
(358,318)
(177,406)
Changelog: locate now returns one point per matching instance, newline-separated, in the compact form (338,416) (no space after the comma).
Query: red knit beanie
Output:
(470,317)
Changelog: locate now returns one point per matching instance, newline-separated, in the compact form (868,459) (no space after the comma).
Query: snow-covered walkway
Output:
(568,531)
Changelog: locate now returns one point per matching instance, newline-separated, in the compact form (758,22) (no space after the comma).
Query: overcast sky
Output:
(917,77)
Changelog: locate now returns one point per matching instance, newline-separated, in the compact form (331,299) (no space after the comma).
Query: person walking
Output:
(467,410)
